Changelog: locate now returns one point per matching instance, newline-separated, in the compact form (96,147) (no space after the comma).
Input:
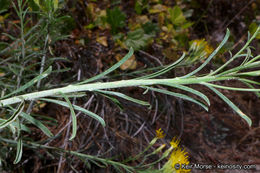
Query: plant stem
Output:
(109,85)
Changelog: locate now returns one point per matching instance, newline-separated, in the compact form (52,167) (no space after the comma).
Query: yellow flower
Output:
(208,49)
(175,142)
(159,133)
(179,156)
(202,47)
(177,159)
(198,42)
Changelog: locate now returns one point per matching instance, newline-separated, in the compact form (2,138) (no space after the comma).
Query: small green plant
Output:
(24,59)
(174,30)
(141,37)
(141,5)
(177,25)
(116,18)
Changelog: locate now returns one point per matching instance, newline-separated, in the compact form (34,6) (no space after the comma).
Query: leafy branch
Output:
(148,82)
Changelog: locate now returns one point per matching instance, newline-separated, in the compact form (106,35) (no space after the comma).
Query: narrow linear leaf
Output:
(144,70)
(251,86)
(164,70)
(250,73)
(114,100)
(182,96)
(14,116)
(19,148)
(248,55)
(73,117)
(124,97)
(188,89)
(30,83)
(231,88)
(78,108)
(239,68)
(12,128)
(211,56)
(9,36)
(19,151)
(232,105)
(253,60)
(98,164)
(15,124)
(37,123)
(23,127)
(115,66)
(249,81)
(250,39)
(76,94)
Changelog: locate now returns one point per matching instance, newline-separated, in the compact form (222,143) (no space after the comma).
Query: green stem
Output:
(109,85)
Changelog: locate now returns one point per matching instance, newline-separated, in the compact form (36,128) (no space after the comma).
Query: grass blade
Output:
(78,108)
(232,105)
(115,66)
